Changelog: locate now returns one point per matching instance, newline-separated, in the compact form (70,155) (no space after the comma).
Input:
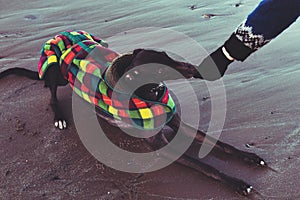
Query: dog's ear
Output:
(122,63)
(136,51)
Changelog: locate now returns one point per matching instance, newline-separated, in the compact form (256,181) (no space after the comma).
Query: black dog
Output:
(125,65)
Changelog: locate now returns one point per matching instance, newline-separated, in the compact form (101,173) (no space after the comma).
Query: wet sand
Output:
(40,162)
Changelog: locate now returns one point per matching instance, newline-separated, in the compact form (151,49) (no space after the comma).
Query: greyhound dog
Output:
(65,59)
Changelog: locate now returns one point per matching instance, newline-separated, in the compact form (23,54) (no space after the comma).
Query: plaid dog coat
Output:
(83,60)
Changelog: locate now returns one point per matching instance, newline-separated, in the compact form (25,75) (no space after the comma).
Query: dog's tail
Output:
(20,72)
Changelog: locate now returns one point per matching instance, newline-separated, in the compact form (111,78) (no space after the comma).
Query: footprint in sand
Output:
(194,7)
(10,35)
(30,17)
(208,16)
(238,4)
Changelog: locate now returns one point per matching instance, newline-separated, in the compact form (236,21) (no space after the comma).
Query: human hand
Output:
(213,66)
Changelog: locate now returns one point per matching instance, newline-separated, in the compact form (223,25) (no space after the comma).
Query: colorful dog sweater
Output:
(83,60)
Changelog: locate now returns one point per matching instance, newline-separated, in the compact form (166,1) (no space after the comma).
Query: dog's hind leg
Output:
(177,125)
(59,122)
(238,185)
(53,79)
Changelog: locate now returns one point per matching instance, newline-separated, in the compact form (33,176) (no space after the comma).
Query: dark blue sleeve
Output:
(268,20)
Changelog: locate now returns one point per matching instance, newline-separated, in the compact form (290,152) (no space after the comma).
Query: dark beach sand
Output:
(263,107)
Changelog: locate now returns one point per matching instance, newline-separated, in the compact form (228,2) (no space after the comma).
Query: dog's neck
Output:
(117,69)
(112,78)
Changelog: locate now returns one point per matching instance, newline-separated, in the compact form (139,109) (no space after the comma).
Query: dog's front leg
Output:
(177,125)
(238,185)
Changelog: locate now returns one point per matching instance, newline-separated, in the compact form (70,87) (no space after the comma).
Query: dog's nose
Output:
(192,70)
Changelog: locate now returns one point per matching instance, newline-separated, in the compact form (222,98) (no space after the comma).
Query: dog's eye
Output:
(128,76)
(161,85)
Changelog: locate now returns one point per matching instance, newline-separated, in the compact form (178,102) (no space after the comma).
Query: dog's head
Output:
(143,64)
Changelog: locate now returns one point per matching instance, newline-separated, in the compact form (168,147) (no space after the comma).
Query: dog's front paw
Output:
(253,159)
(60,124)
